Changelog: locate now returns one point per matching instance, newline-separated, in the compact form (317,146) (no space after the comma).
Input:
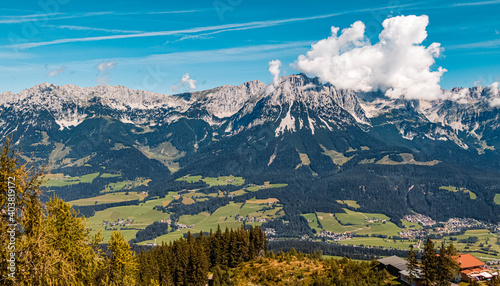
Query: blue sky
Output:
(151,44)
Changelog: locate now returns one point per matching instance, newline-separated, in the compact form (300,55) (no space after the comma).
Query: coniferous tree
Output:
(217,248)
(52,245)
(412,264)
(429,261)
(122,263)
(216,278)
(180,262)
(447,266)
(198,261)
(71,237)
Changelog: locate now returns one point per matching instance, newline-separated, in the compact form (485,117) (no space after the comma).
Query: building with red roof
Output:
(472,268)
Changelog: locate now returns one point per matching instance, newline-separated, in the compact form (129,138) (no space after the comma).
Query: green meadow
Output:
(142,214)
(224,216)
(355,222)
(497,199)
(109,198)
(472,195)
(60,180)
(219,181)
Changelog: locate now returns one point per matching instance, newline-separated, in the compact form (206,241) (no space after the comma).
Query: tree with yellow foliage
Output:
(50,244)
(122,265)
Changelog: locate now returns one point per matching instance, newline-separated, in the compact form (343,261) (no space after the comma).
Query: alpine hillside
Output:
(328,144)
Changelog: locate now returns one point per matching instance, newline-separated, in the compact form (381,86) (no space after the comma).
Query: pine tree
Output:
(233,251)
(53,246)
(180,262)
(122,263)
(22,219)
(447,266)
(429,261)
(413,268)
(216,278)
(198,263)
(70,236)
(216,248)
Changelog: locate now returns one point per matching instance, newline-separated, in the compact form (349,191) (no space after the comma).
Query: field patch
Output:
(480,242)
(472,195)
(411,225)
(312,221)
(337,157)
(304,160)
(263,201)
(61,180)
(358,222)
(165,152)
(350,203)
(382,242)
(219,181)
(497,199)
(125,185)
(330,223)
(265,186)
(407,159)
(109,198)
(109,175)
(187,201)
(238,193)
(230,216)
(141,216)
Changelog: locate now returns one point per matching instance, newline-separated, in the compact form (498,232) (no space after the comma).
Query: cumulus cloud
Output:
(494,95)
(398,64)
(57,71)
(274,69)
(186,83)
(103,71)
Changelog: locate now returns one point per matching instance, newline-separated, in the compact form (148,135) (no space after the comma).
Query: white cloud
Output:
(483,44)
(103,71)
(204,30)
(494,95)
(13,19)
(274,69)
(186,83)
(398,64)
(57,71)
(83,28)
(105,66)
(189,81)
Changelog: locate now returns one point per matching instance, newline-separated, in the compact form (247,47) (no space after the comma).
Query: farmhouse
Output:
(472,268)
(393,264)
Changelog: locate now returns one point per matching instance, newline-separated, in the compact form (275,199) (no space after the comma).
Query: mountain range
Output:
(328,144)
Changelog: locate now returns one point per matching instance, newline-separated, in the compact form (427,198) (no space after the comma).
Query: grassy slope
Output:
(472,195)
(109,198)
(224,216)
(143,215)
(59,180)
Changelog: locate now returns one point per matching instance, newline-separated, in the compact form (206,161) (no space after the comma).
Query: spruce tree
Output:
(447,265)
(412,264)
(429,261)
(122,263)
(53,245)
(180,262)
